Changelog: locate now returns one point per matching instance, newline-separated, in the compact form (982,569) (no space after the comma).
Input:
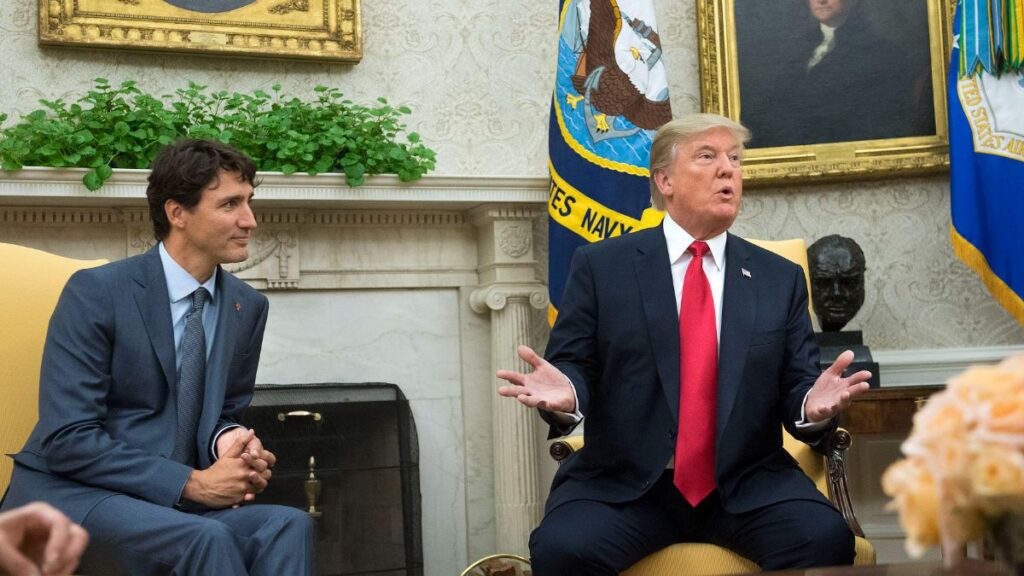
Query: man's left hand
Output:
(831,393)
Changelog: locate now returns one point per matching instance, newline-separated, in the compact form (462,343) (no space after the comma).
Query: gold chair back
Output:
(30,283)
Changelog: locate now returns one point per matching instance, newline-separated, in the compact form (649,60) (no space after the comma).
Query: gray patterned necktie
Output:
(191,380)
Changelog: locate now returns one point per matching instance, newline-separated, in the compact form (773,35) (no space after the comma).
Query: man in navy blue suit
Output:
(158,492)
(623,354)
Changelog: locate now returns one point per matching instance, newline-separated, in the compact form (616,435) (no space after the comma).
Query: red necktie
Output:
(698,378)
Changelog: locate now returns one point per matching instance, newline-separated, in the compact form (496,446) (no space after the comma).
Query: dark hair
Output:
(182,170)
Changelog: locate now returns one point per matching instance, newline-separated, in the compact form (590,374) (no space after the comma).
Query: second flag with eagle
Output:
(611,94)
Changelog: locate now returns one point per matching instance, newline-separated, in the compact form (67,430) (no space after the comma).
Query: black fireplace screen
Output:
(347,454)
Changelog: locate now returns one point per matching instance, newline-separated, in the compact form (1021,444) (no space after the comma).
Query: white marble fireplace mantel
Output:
(407,283)
(50,187)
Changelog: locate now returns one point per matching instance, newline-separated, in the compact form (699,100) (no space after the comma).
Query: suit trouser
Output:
(587,537)
(131,536)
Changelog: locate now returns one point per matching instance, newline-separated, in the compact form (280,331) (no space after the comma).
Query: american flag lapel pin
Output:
(745,272)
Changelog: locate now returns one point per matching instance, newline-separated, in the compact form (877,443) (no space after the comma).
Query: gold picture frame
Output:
(292,29)
(844,134)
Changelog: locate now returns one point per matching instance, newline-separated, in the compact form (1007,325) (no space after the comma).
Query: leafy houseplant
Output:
(123,127)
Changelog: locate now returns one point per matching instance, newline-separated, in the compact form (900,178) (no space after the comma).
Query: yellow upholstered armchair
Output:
(30,283)
(827,470)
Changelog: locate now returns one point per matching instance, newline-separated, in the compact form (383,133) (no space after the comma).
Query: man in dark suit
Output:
(148,364)
(686,368)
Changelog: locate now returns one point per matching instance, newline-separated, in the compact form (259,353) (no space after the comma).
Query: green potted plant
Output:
(124,127)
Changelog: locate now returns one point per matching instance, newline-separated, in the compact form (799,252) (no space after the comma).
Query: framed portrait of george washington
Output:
(830,89)
(292,29)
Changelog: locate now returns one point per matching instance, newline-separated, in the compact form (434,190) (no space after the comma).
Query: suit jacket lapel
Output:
(654,276)
(738,311)
(154,305)
(221,351)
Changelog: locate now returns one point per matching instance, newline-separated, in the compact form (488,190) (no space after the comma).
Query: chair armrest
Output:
(838,486)
(565,447)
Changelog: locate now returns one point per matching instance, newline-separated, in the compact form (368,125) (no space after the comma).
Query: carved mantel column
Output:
(508,289)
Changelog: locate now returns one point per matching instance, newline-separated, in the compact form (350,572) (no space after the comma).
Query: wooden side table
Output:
(883,410)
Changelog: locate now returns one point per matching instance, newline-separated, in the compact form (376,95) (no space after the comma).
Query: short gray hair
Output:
(675,132)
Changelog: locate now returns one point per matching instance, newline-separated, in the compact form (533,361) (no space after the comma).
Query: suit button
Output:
(672,433)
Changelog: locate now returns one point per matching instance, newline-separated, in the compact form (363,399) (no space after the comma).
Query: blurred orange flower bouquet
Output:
(964,464)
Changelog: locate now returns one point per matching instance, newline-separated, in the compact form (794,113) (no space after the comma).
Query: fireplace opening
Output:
(348,455)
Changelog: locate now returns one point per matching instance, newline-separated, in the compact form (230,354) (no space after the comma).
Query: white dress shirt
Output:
(180,286)
(679,255)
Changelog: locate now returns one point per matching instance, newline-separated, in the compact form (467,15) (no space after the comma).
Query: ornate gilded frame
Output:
(832,161)
(293,29)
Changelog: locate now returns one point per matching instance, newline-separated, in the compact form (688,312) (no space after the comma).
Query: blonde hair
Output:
(675,132)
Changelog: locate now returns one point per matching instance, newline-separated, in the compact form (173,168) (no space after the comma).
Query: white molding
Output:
(72,213)
(315,232)
(54,186)
(928,367)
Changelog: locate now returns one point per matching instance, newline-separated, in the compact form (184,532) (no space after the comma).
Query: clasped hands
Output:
(242,470)
(548,389)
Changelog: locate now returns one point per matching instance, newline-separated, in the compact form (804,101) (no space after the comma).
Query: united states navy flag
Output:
(986,140)
(611,94)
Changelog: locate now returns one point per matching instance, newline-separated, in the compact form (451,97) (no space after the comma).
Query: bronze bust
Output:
(837,280)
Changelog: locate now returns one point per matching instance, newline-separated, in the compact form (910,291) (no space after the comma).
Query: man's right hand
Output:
(545,387)
(227,482)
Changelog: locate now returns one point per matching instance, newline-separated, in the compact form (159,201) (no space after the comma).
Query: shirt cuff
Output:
(213,444)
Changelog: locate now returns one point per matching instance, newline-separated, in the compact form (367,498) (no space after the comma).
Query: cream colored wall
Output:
(478,90)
